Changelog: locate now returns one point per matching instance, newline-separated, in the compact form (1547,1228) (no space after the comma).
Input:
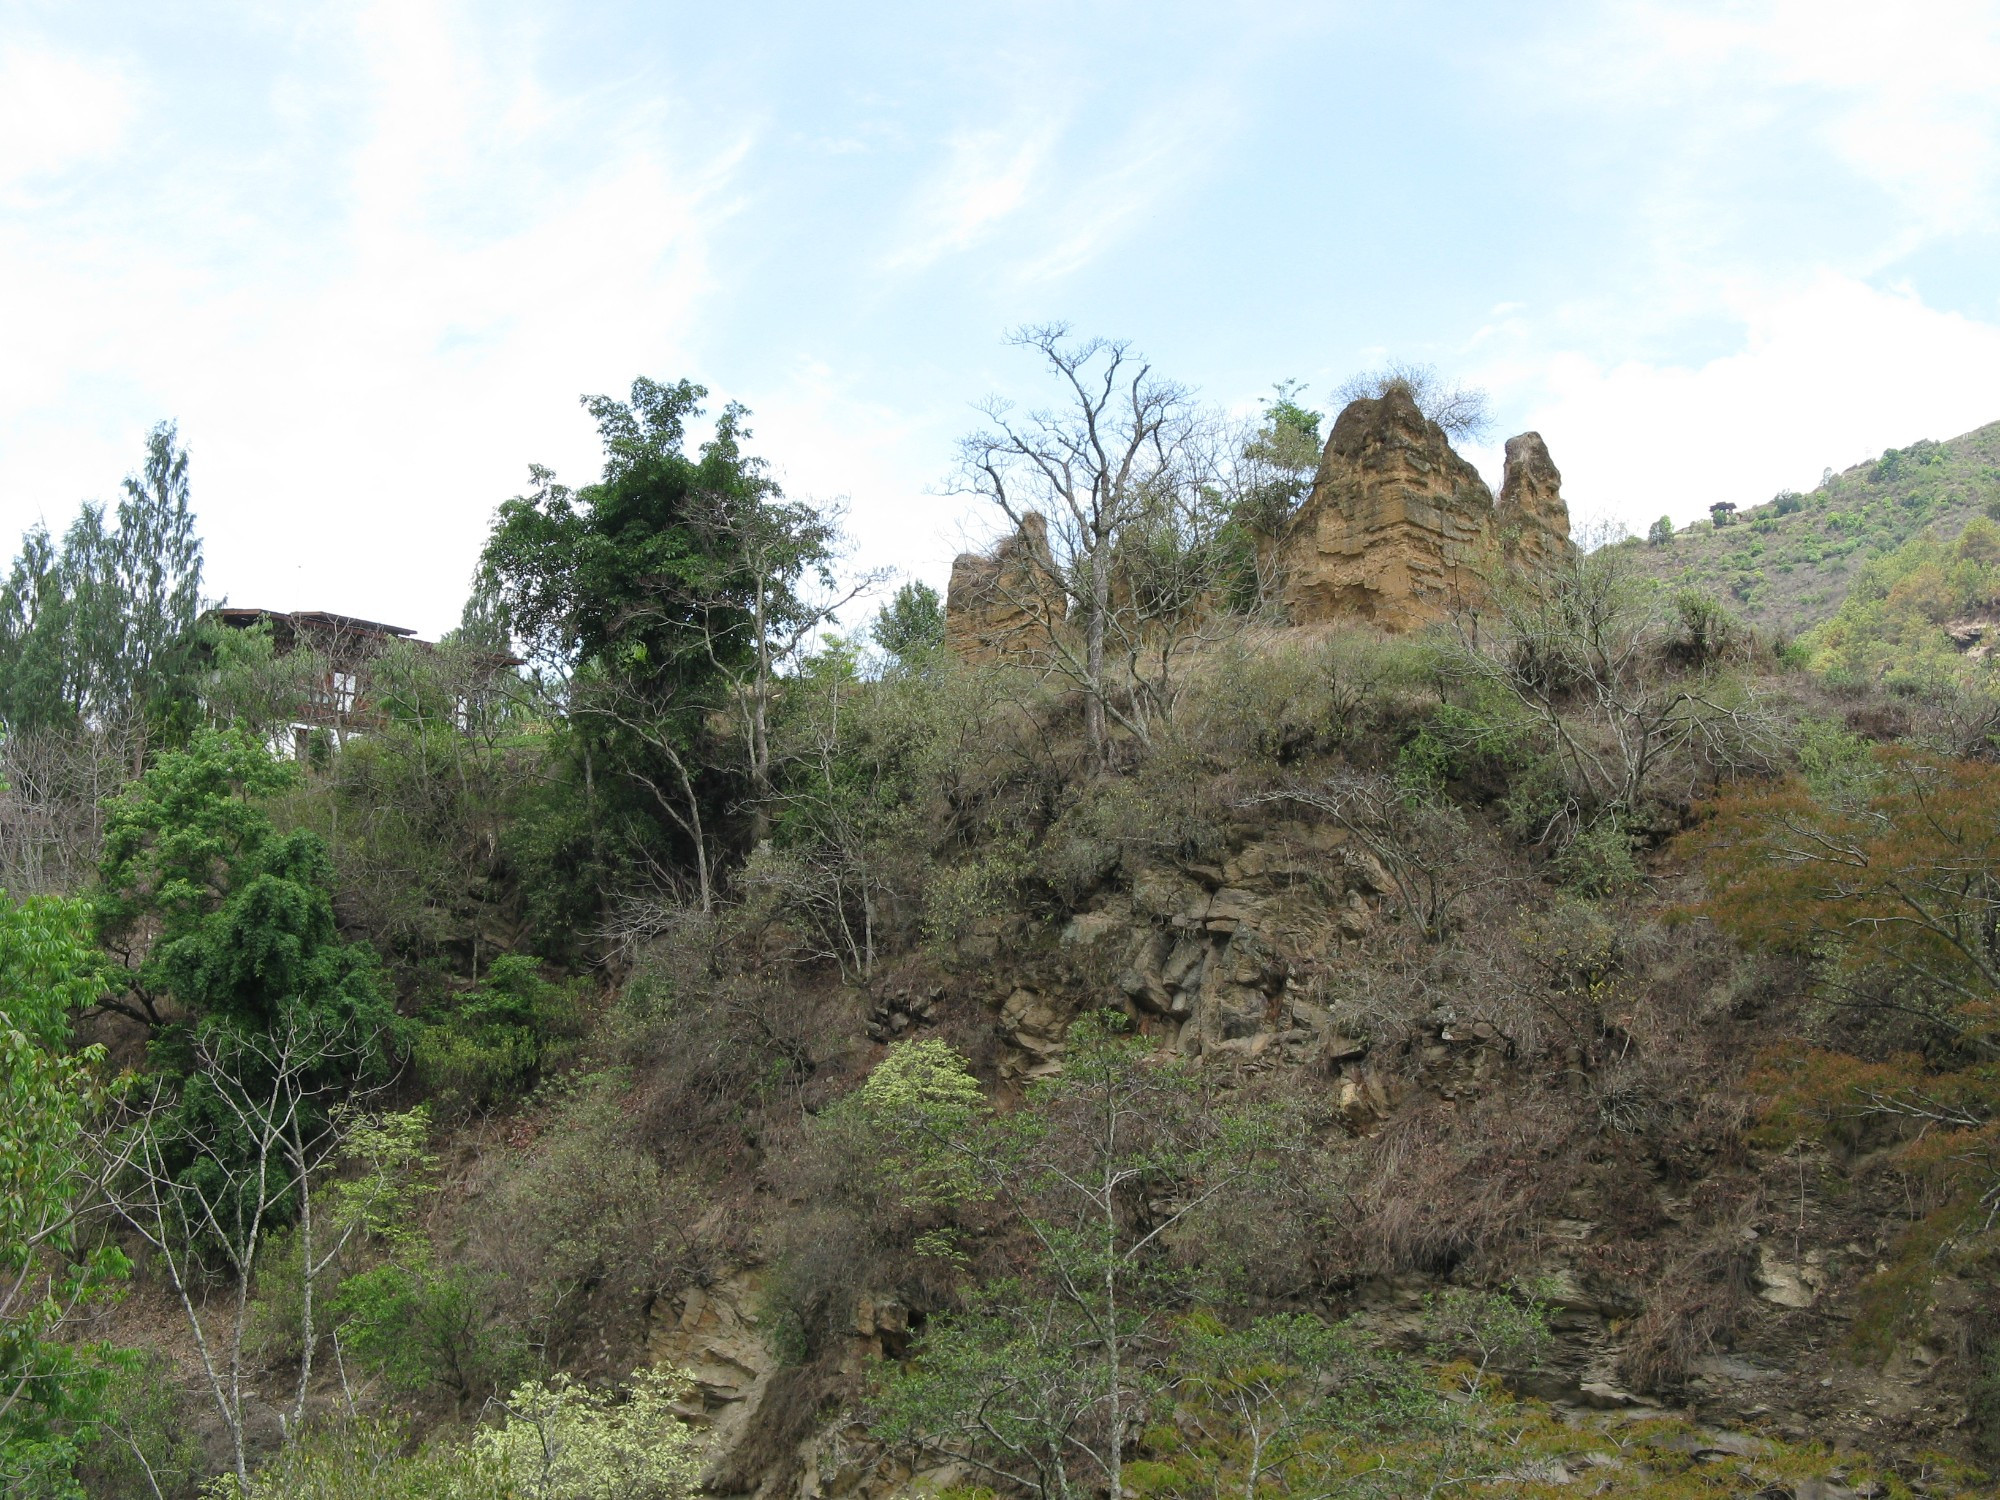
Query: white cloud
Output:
(360,384)
(1901,95)
(57,111)
(1828,374)
(987,177)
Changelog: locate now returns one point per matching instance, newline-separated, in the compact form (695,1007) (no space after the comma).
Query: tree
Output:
(1462,411)
(1898,865)
(94,633)
(1271,478)
(1883,866)
(1101,465)
(674,586)
(216,916)
(1660,532)
(50,1165)
(1040,1381)
(217,1165)
(911,625)
(1585,656)
(563,1441)
(415,813)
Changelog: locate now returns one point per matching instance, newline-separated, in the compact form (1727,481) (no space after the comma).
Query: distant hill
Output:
(1787,565)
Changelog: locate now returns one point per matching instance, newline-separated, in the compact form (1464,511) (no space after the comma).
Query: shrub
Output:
(1597,860)
(564,1441)
(585,1216)
(495,1041)
(365,1460)
(425,1327)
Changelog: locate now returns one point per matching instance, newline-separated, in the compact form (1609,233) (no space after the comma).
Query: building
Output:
(340,701)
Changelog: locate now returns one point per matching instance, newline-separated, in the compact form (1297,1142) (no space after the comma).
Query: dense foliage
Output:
(1192,1057)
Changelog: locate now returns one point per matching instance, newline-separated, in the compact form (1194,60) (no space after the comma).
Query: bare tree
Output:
(1585,654)
(54,782)
(786,552)
(194,1192)
(1095,466)
(1463,411)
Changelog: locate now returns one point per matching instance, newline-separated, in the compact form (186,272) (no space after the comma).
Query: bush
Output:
(1597,861)
(365,1460)
(424,1327)
(1703,631)
(587,1216)
(564,1441)
(1280,699)
(498,1039)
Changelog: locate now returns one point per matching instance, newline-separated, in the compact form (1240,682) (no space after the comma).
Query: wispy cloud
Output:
(988,176)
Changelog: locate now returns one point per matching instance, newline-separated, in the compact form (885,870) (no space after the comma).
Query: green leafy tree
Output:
(676,585)
(219,918)
(911,625)
(564,1441)
(51,1386)
(94,632)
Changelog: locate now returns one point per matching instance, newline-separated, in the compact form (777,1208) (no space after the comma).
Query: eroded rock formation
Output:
(1005,602)
(1400,530)
(1531,518)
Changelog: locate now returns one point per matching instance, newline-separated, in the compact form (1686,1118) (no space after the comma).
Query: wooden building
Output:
(340,701)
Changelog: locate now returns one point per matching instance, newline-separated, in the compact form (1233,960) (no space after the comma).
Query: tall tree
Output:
(93,631)
(677,585)
(1108,468)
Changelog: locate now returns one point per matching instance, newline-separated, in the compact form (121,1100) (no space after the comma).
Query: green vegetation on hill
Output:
(1788,564)
(1556,1057)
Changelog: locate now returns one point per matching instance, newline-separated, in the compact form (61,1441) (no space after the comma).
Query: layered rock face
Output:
(1005,602)
(1399,530)
(1532,520)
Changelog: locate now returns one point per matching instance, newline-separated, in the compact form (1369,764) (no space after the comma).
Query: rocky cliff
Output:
(1004,602)
(1400,530)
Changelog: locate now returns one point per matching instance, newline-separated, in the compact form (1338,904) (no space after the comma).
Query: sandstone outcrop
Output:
(1400,530)
(1005,602)
(1531,518)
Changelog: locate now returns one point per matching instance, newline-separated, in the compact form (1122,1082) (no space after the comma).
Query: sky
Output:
(369,255)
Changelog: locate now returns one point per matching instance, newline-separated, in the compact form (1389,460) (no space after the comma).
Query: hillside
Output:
(1787,564)
(1307,1058)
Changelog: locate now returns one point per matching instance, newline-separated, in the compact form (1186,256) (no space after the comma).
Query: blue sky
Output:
(370,254)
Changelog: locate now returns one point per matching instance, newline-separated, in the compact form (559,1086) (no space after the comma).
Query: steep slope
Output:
(1786,565)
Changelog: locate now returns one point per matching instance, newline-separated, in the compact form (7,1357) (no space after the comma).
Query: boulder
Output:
(1036,1026)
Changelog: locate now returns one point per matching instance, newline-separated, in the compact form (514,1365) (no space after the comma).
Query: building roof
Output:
(236,615)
